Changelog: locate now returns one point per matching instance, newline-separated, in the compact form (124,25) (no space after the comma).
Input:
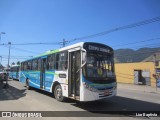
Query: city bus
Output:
(83,71)
(14,72)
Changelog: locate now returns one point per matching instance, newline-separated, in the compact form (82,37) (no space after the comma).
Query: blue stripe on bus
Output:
(97,86)
(34,78)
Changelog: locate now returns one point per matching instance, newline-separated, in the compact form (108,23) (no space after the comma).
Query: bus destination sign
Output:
(97,48)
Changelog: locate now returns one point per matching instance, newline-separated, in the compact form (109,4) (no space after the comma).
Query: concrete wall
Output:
(125,71)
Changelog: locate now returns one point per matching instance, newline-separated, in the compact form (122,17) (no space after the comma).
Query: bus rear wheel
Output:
(27,84)
(58,93)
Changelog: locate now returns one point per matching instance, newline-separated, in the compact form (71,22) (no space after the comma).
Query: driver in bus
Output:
(104,70)
(100,71)
(95,74)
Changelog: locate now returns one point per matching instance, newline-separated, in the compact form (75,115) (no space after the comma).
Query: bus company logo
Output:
(6,114)
(21,114)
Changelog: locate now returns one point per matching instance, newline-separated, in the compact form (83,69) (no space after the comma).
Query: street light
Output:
(1,34)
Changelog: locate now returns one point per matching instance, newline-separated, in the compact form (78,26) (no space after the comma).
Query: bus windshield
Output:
(99,67)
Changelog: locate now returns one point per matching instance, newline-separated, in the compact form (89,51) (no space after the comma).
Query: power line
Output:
(136,42)
(137,24)
(15,56)
(117,56)
(39,43)
(64,42)
(19,49)
(24,50)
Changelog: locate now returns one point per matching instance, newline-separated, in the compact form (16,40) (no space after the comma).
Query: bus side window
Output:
(29,67)
(22,67)
(39,64)
(57,61)
(25,65)
(62,61)
(51,62)
(48,62)
(35,64)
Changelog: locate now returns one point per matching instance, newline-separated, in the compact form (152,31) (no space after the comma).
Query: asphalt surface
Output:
(129,98)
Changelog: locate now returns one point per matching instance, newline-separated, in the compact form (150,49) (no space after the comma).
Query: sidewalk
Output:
(10,93)
(142,88)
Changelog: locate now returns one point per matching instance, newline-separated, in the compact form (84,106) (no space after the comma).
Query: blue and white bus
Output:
(14,72)
(83,71)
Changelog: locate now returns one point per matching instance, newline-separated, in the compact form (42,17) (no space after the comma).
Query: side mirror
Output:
(83,58)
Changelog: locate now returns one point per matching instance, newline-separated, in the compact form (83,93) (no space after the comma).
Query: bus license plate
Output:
(107,92)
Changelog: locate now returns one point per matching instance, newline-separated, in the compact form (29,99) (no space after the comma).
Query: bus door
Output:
(74,74)
(42,74)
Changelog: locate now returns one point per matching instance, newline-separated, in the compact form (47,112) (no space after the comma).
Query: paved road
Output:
(17,98)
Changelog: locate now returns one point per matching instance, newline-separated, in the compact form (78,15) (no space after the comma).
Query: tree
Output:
(13,63)
(18,63)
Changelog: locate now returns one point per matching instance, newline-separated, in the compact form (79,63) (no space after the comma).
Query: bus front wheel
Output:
(58,93)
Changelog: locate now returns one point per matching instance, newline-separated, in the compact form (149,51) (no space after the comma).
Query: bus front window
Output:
(99,67)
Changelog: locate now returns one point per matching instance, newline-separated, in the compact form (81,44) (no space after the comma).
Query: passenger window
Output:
(51,62)
(62,61)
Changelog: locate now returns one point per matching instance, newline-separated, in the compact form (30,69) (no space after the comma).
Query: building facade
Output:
(136,73)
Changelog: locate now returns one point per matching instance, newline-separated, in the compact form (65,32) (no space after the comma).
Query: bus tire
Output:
(27,84)
(58,93)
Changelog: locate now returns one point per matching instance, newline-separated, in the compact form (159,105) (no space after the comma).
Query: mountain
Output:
(129,55)
(151,58)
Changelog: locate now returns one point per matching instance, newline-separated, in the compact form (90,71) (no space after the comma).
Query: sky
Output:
(39,21)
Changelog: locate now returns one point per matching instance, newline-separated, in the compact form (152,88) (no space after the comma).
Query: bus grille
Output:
(104,88)
(106,93)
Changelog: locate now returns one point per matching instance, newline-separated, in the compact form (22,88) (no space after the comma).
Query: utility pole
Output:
(64,42)
(9,43)
(6,85)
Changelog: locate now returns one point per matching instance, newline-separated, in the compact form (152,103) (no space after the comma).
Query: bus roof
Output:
(57,50)
(80,44)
